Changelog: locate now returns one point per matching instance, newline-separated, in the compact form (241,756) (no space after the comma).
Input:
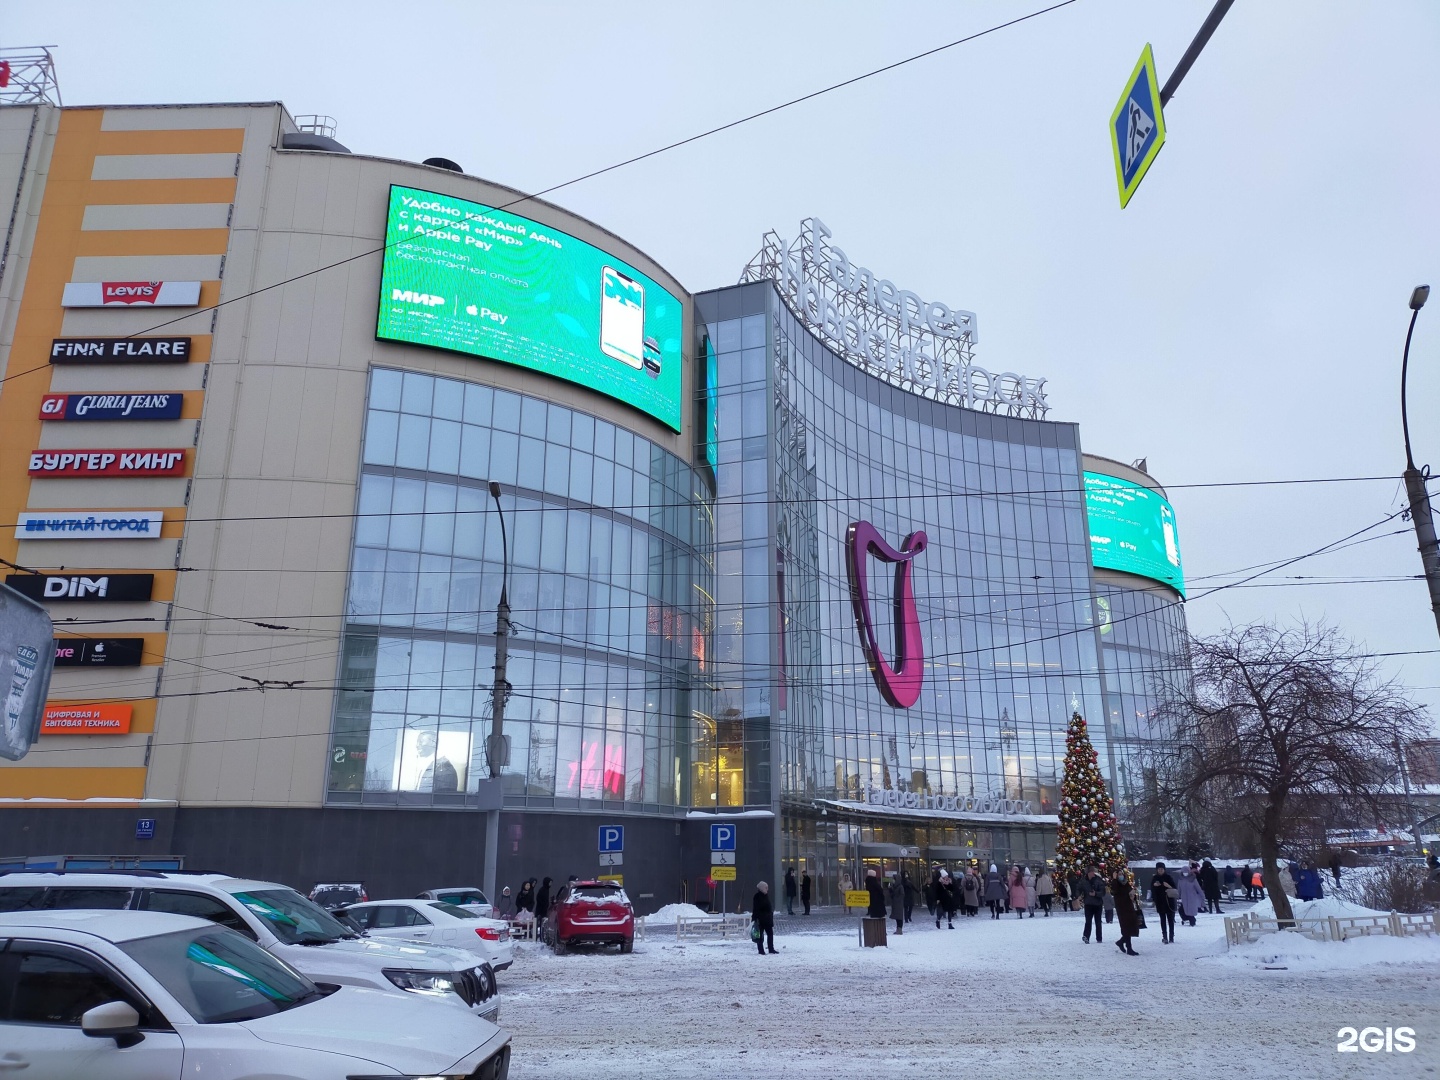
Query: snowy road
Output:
(987,999)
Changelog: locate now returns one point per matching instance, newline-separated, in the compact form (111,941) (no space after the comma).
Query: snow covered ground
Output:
(1012,997)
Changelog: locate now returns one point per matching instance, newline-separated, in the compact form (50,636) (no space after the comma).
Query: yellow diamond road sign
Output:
(1137,127)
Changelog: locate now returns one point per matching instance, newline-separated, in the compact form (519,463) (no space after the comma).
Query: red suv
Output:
(595,913)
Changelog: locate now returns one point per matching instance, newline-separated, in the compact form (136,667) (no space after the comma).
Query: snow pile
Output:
(1314,909)
(1292,951)
(670,914)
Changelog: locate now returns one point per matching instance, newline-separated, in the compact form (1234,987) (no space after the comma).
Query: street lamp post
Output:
(497,747)
(1420,513)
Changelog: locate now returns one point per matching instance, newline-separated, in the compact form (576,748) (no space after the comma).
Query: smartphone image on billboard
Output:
(652,358)
(622,318)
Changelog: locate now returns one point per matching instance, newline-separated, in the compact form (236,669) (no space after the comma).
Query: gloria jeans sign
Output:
(111,406)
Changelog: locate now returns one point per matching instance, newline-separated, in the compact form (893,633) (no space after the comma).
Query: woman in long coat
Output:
(970,891)
(1030,894)
(1017,890)
(1127,910)
(1192,896)
(1045,890)
(994,891)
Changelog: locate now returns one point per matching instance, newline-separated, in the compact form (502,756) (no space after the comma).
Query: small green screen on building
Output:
(462,276)
(1132,529)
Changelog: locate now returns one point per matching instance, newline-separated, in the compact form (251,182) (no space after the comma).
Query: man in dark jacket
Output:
(909,888)
(876,909)
(1210,886)
(897,904)
(1164,891)
(1127,910)
(1092,890)
(805,890)
(542,901)
(790,891)
(1247,879)
(762,914)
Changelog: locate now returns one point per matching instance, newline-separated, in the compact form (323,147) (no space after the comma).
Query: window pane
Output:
(418,394)
(412,451)
(380,431)
(385,389)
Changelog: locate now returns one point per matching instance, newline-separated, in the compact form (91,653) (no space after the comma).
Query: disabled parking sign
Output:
(1137,127)
(722,837)
(612,838)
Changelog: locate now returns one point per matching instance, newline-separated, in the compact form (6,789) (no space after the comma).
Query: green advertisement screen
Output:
(462,276)
(1132,529)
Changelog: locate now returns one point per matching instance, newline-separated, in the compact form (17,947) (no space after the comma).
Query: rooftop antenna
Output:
(27,76)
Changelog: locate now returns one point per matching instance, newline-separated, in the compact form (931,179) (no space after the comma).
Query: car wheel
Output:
(626,946)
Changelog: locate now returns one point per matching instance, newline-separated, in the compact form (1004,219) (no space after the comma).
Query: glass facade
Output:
(609,541)
(809,444)
(1142,633)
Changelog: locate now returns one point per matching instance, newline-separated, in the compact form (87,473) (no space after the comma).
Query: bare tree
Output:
(1268,726)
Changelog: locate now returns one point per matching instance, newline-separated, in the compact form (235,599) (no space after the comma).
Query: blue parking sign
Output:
(722,837)
(612,837)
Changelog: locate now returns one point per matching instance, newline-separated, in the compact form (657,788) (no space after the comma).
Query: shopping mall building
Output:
(791,555)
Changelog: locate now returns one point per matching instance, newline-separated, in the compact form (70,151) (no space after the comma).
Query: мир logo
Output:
(899,682)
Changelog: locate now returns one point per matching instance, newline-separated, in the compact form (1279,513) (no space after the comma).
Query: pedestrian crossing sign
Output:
(1137,127)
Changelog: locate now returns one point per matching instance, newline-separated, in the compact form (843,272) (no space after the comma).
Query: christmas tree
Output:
(1089,835)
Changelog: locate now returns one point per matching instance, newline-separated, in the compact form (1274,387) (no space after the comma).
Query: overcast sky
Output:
(1242,319)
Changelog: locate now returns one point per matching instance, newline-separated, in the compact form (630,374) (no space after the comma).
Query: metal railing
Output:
(1242,929)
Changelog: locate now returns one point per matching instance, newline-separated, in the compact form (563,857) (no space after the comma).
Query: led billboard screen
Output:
(462,276)
(1132,529)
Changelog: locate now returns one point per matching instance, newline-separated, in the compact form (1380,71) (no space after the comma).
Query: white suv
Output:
(139,995)
(277,918)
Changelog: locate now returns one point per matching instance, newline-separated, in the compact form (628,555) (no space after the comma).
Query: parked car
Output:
(594,913)
(437,923)
(278,918)
(143,995)
(462,896)
(337,895)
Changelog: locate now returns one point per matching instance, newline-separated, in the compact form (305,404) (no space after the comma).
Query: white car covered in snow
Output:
(144,995)
(437,923)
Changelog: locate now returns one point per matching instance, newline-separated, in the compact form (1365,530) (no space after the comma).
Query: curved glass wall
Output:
(609,537)
(809,444)
(1142,634)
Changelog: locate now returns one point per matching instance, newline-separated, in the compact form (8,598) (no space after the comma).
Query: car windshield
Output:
(336,895)
(466,896)
(455,912)
(220,976)
(293,919)
(600,894)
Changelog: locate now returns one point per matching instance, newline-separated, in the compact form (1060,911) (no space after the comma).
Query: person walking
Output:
(505,906)
(1227,882)
(1092,892)
(994,891)
(762,915)
(949,902)
(1045,890)
(1257,885)
(791,890)
(876,910)
(970,892)
(1309,886)
(542,901)
(805,890)
(1031,896)
(1108,906)
(908,888)
(1127,910)
(1247,881)
(1210,885)
(1163,893)
(897,903)
(1062,892)
(1335,865)
(1192,896)
(1017,890)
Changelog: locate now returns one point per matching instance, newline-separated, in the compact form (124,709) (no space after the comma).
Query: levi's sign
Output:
(99,350)
(111,406)
(99,652)
(80,294)
(89,525)
(94,586)
(107,463)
